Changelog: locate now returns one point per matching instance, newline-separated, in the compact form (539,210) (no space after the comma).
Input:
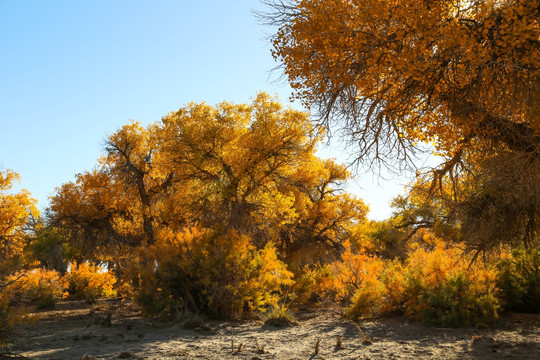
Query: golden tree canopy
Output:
(247,167)
(15,211)
(461,76)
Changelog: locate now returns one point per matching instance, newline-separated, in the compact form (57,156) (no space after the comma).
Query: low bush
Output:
(519,280)
(278,315)
(382,291)
(312,284)
(40,287)
(204,271)
(439,286)
(89,282)
(445,288)
(7,319)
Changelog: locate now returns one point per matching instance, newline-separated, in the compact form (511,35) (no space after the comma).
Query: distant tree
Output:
(50,246)
(496,202)
(16,210)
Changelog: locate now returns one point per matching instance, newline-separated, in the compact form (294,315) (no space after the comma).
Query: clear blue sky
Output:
(72,72)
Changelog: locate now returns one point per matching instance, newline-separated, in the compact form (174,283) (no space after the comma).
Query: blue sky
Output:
(73,72)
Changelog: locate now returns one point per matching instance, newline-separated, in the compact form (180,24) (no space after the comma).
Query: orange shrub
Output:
(89,282)
(40,287)
(353,270)
(381,291)
(372,285)
(438,286)
(443,287)
(312,283)
(200,270)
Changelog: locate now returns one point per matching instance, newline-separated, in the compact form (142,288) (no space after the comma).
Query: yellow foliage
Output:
(89,282)
(445,287)
(312,284)
(201,270)
(438,286)
(15,211)
(461,76)
(40,287)
(436,283)
(247,167)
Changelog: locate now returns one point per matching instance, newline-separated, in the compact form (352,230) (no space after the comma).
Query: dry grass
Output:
(280,316)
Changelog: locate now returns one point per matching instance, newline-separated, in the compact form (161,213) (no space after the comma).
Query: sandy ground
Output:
(114,330)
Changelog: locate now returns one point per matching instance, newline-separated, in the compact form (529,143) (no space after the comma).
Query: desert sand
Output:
(115,330)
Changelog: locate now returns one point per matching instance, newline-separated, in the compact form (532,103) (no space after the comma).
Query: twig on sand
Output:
(365,340)
(238,349)
(339,345)
(260,349)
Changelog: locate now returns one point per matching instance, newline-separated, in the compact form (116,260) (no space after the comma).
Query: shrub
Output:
(519,280)
(353,270)
(278,315)
(220,274)
(88,282)
(445,288)
(312,284)
(7,319)
(39,287)
(381,291)
(438,286)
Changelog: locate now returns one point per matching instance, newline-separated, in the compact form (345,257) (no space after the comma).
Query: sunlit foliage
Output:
(221,274)
(459,78)
(88,282)
(232,188)
(250,168)
(40,287)
(436,283)
(443,287)
(16,210)
(451,73)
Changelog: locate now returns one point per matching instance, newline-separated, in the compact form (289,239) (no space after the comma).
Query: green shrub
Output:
(455,302)
(444,288)
(312,284)
(519,280)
